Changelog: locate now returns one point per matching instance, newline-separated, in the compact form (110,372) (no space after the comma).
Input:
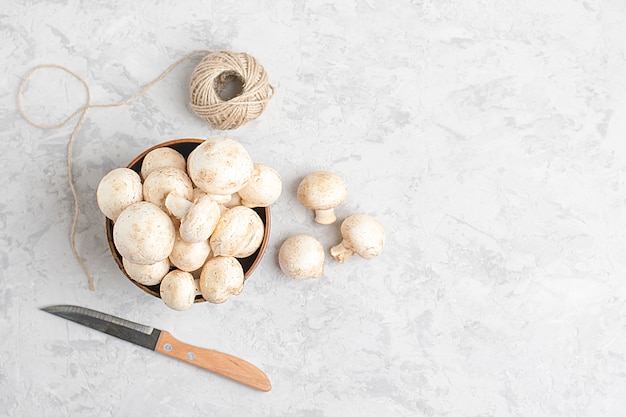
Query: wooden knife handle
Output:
(220,363)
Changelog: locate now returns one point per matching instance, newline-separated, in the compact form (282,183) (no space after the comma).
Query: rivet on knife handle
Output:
(217,362)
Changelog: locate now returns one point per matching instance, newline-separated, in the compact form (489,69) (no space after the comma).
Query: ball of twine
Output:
(212,75)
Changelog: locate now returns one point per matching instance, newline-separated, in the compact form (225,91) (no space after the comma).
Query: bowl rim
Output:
(151,289)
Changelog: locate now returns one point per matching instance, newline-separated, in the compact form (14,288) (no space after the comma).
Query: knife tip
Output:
(52,309)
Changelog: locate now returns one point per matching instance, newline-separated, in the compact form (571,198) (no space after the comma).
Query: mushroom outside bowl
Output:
(185,146)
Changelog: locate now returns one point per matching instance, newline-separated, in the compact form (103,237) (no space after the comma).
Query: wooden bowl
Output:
(185,146)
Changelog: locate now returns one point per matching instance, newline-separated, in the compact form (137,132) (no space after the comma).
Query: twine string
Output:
(82,111)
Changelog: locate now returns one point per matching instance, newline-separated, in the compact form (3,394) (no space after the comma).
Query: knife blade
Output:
(163,342)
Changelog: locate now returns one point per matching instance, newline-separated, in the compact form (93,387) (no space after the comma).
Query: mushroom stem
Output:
(177,205)
(341,252)
(325,216)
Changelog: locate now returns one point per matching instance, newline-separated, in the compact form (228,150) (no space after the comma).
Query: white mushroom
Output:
(221,199)
(144,234)
(301,256)
(221,277)
(147,274)
(197,193)
(235,200)
(322,191)
(263,189)
(198,219)
(238,233)
(219,166)
(188,256)
(163,181)
(178,290)
(363,235)
(176,205)
(117,190)
(162,157)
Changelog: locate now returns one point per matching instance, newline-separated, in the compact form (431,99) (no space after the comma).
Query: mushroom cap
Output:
(188,256)
(178,290)
(239,233)
(144,234)
(163,181)
(301,256)
(322,190)
(200,220)
(364,235)
(147,274)
(221,277)
(263,189)
(219,166)
(162,157)
(118,189)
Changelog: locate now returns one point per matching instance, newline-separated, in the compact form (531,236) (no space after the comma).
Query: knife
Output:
(163,342)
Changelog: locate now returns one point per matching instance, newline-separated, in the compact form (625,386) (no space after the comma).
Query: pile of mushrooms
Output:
(301,256)
(183,223)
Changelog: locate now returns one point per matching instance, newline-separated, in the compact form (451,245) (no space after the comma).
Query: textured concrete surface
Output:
(487,137)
